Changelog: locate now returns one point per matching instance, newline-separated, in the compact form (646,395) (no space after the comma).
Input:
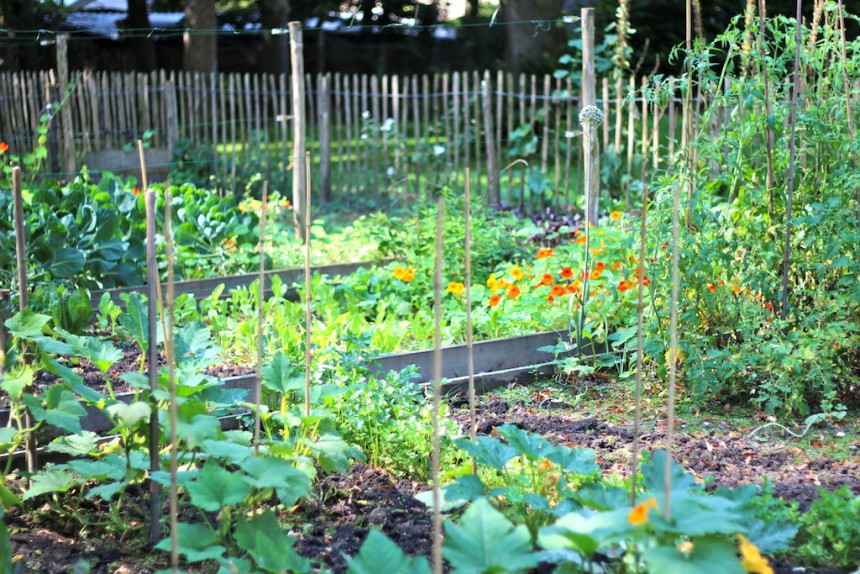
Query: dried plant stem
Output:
(473,419)
(261,290)
(170,355)
(637,410)
(437,389)
(847,83)
(308,309)
(769,139)
(152,352)
(789,199)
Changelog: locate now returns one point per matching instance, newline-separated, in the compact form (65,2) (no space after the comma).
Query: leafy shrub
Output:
(830,530)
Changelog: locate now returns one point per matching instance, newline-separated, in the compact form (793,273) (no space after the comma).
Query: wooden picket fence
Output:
(374,140)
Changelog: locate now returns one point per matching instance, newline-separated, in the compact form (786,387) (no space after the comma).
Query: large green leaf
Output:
(102,354)
(216,487)
(66,262)
(280,375)
(378,549)
(770,537)
(200,428)
(50,480)
(61,409)
(484,541)
(129,415)
(14,384)
(709,555)
(532,445)
(333,453)
(267,472)
(197,542)
(135,319)
(578,460)
(488,451)
(112,467)
(268,545)
(654,476)
(26,324)
(7,498)
(585,532)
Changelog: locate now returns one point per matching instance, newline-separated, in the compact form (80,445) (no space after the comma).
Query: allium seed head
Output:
(591,116)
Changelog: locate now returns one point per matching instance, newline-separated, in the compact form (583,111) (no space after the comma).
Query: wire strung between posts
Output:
(637,411)
(170,355)
(437,388)
(16,35)
(258,383)
(470,351)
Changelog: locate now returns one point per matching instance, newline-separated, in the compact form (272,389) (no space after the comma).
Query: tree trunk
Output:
(200,44)
(276,48)
(142,47)
(533,45)
(474,9)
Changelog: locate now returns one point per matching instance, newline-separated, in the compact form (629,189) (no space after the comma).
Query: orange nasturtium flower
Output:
(572,289)
(136,190)
(735,288)
(596,274)
(545,252)
(494,300)
(455,288)
(550,299)
(623,286)
(514,292)
(711,288)
(4,147)
(230,242)
(566,273)
(517,273)
(547,279)
(751,558)
(616,215)
(600,266)
(580,240)
(557,290)
(405,275)
(617,266)
(639,514)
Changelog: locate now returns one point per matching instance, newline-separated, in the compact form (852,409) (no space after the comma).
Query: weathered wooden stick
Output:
(437,388)
(297,80)
(258,384)
(32,460)
(308,308)
(152,354)
(170,355)
(470,351)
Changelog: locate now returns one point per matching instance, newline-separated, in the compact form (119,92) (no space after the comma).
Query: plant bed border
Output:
(497,362)
(205,287)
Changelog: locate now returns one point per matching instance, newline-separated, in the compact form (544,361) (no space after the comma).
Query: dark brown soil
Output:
(336,522)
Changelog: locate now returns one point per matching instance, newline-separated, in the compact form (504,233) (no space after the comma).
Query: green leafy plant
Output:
(830,531)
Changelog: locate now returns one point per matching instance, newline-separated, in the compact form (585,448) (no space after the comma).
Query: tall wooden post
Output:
(493,194)
(65,111)
(324,121)
(152,364)
(589,98)
(297,82)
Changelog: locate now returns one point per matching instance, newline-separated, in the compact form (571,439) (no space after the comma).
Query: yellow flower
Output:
(398,273)
(639,514)
(405,275)
(493,283)
(517,273)
(615,215)
(678,355)
(455,288)
(751,558)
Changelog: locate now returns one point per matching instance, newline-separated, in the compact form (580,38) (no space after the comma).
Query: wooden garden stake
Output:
(32,460)
(297,76)
(470,351)
(589,98)
(258,384)
(308,315)
(789,195)
(152,351)
(437,388)
(170,355)
(673,357)
(688,115)
(637,412)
